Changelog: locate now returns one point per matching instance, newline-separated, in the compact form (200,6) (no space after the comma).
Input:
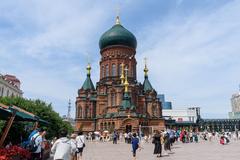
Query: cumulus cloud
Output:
(194,59)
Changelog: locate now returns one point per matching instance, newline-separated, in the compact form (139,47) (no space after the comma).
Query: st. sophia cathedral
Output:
(118,102)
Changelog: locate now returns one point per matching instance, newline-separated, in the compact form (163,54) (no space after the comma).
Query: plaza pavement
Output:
(204,150)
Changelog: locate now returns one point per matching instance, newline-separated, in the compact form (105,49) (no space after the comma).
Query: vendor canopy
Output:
(21,114)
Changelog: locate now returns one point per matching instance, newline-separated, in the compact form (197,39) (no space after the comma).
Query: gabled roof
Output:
(147,85)
(88,85)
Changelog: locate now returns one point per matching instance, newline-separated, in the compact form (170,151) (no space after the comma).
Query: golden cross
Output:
(118,14)
(118,9)
(145,60)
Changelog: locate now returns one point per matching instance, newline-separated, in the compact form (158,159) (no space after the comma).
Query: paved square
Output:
(190,151)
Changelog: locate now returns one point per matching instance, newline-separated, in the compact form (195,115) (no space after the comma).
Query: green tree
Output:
(40,109)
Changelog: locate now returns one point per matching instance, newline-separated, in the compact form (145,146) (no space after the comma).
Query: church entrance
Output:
(128,128)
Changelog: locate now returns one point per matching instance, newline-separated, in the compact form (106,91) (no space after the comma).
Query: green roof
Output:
(117,35)
(126,102)
(147,85)
(88,85)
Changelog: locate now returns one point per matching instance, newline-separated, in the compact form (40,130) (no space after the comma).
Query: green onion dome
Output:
(117,35)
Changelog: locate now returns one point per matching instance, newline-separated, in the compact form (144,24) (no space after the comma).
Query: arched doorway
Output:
(128,128)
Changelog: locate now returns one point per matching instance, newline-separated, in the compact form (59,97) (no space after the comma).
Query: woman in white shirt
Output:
(80,144)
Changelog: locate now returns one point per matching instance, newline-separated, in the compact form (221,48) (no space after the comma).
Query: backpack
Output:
(32,147)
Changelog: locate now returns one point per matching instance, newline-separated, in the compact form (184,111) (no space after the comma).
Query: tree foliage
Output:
(40,109)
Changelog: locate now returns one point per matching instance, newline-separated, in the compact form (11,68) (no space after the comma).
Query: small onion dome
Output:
(118,35)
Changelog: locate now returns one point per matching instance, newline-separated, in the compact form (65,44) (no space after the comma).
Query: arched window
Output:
(113,99)
(80,112)
(155,111)
(119,69)
(126,68)
(107,71)
(101,126)
(2,91)
(113,125)
(86,112)
(114,70)
(89,112)
(103,71)
(105,126)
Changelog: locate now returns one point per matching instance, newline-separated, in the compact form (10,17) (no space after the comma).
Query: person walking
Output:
(63,148)
(80,144)
(157,144)
(37,140)
(115,136)
(135,145)
(74,142)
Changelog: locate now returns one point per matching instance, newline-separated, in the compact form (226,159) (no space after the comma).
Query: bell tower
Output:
(117,47)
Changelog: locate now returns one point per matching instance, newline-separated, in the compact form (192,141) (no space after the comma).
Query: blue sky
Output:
(192,47)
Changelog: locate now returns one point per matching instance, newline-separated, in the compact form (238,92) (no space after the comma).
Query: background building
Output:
(165,105)
(182,115)
(10,86)
(235,102)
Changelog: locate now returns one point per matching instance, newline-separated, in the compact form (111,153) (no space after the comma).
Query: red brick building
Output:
(119,101)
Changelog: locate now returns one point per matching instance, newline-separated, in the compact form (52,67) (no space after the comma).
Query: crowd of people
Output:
(64,147)
(71,147)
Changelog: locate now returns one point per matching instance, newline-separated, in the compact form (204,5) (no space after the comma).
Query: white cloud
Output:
(194,61)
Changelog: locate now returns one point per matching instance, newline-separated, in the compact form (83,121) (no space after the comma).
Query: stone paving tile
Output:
(203,150)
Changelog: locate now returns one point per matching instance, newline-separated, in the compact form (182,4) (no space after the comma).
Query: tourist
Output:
(146,139)
(210,136)
(74,142)
(121,136)
(172,136)
(80,144)
(236,132)
(195,137)
(167,146)
(157,144)
(115,137)
(226,138)
(135,145)
(63,148)
(37,140)
(125,137)
(182,136)
(191,136)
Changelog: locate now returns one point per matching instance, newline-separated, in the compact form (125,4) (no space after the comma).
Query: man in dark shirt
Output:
(135,145)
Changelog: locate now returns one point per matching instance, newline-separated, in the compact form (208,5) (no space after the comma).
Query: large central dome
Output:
(117,35)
